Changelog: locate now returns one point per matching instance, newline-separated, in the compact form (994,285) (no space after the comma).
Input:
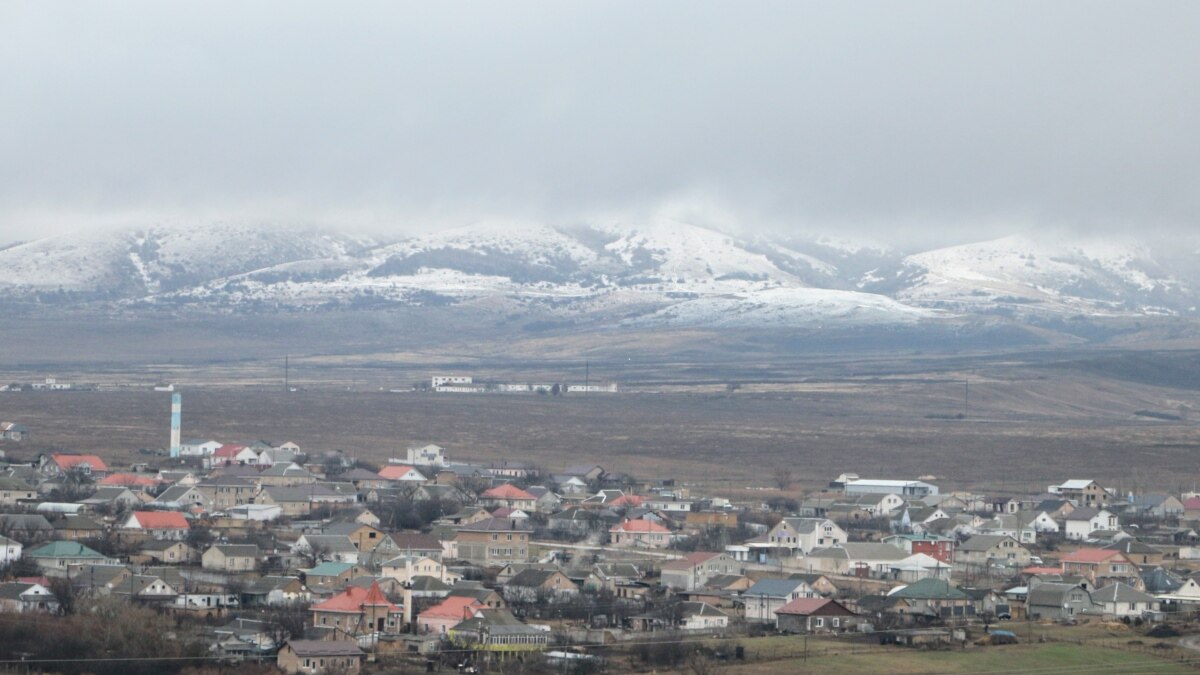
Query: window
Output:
(818,622)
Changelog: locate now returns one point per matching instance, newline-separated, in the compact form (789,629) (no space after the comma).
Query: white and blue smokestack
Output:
(176,418)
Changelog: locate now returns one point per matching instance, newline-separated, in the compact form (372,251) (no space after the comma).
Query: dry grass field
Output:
(1031,419)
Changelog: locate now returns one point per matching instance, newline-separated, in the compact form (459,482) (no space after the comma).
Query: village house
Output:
(113,498)
(761,600)
(198,447)
(856,559)
(225,492)
(1101,567)
(359,611)
(1121,600)
(275,591)
(932,545)
(497,630)
(640,534)
(1085,493)
(399,473)
(407,568)
(232,454)
(14,491)
(1082,522)
(445,615)
(182,498)
(801,536)
(1142,554)
(815,615)
(285,474)
(326,547)
(10,551)
(992,549)
(694,570)
(930,600)
(11,431)
(167,552)
(59,464)
(231,558)
(1059,601)
(56,557)
(158,524)
(364,537)
(19,597)
(320,656)
(534,585)
(494,542)
(508,495)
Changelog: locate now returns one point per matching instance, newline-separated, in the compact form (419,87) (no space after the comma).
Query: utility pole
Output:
(286,388)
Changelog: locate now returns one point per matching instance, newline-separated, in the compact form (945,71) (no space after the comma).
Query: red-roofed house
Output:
(89,464)
(132,481)
(401,473)
(815,615)
(232,454)
(1102,567)
(447,614)
(630,501)
(359,611)
(508,495)
(1191,508)
(640,534)
(159,524)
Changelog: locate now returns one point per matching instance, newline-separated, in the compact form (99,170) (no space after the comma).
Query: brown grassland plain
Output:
(1025,425)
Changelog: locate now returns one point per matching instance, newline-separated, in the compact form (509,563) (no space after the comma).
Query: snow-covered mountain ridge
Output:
(663,272)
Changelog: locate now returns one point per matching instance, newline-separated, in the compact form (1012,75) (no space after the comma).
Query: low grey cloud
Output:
(920,120)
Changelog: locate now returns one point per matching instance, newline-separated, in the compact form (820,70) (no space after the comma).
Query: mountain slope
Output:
(661,272)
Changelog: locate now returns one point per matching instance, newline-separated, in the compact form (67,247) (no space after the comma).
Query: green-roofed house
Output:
(930,600)
(54,558)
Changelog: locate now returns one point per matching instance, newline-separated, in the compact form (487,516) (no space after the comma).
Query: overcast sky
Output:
(948,119)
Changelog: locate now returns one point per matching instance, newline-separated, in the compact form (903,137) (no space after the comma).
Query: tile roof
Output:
(507,491)
(643,526)
(66,462)
(354,599)
(161,520)
(453,607)
(1090,555)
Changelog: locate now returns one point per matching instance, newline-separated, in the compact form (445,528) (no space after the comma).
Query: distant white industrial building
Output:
(439,381)
(904,488)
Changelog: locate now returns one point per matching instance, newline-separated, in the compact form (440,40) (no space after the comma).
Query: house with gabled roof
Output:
(1084,492)
(158,524)
(930,600)
(1122,600)
(54,558)
(16,491)
(231,453)
(1142,554)
(508,495)
(1082,522)
(329,547)
(800,536)
(359,611)
(445,615)
(231,558)
(693,570)
(993,549)
(400,473)
(61,463)
(182,498)
(18,597)
(318,656)
(538,585)
(115,498)
(1102,567)
(640,534)
(816,615)
(761,600)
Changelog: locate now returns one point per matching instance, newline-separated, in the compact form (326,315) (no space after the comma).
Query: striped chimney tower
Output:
(176,418)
